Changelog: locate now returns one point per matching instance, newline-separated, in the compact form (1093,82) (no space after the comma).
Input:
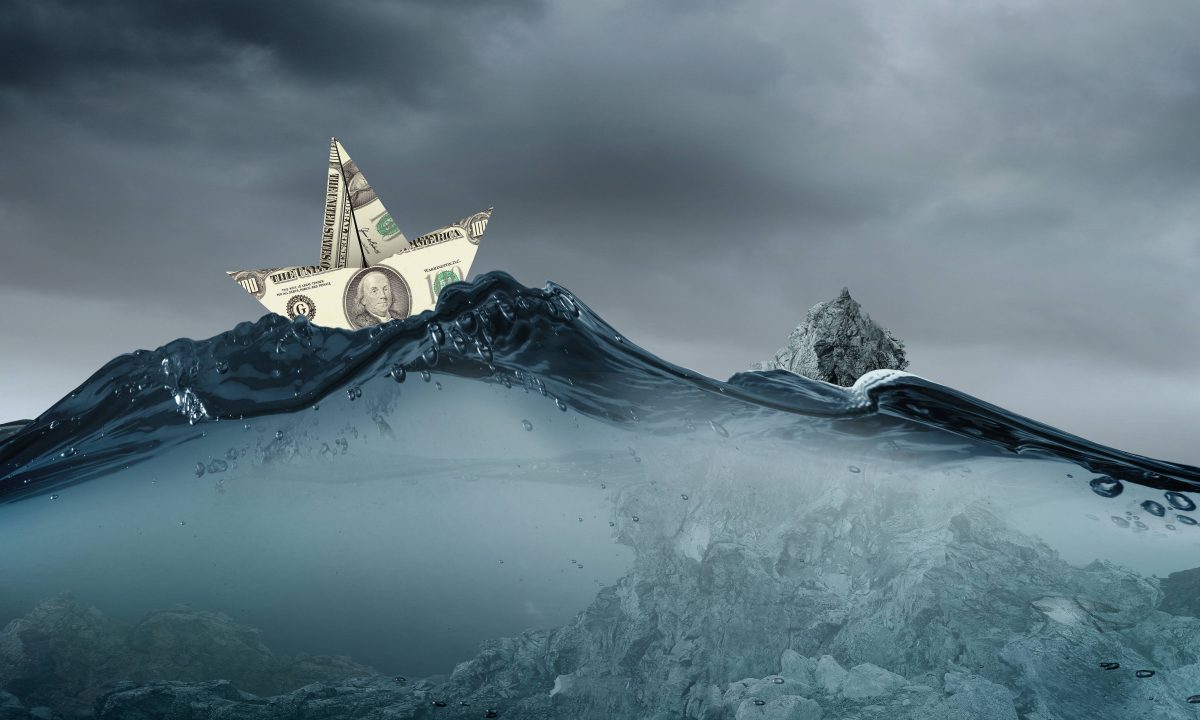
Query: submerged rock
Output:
(942,610)
(64,654)
(837,343)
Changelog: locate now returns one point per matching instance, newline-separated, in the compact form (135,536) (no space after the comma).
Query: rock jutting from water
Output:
(837,343)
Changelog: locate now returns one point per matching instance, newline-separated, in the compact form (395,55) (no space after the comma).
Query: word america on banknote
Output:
(369,273)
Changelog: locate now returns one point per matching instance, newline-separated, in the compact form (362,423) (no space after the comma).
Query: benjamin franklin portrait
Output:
(376,295)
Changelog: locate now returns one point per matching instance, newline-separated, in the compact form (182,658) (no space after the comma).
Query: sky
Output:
(1010,187)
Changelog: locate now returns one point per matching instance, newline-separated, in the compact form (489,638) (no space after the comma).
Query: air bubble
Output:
(1155,509)
(467,323)
(683,496)
(278,434)
(199,469)
(222,367)
(777,680)
(218,466)
(1144,673)
(561,405)
(527,425)
(1120,522)
(438,385)
(718,428)
(426,375)
(67,453)
(430,356)
(759,702)
(1140,525)
(1185,519)
(398,373)
(854,468)
(54,497)
(1110,665)
(437,335)
(1107,487)
(635,518)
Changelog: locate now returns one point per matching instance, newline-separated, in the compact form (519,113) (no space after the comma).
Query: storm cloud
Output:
(1010,187)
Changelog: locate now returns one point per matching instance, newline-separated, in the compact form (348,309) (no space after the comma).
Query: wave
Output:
(495,330)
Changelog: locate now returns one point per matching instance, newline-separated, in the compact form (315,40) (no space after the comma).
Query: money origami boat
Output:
(369,273)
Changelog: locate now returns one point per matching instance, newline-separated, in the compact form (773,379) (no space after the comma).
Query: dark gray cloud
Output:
(1008,184)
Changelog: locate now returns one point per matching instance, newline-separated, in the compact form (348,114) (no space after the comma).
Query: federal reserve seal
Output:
(375,295)
(301,305)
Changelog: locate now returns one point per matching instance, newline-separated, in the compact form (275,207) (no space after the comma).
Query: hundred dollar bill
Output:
(357,230)
(404,283)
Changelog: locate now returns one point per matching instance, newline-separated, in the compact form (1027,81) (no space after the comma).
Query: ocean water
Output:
(505,507)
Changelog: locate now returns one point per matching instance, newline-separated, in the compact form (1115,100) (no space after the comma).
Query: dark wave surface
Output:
(496,330)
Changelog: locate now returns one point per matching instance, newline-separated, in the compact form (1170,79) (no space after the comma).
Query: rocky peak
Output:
(837,343)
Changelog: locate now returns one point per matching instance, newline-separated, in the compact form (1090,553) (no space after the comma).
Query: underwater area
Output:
(504,508)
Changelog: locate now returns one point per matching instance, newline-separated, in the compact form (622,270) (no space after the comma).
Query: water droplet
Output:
(438,385)
(467,323)
(231,454)
(635,518)
(506,382)
(1170,526)
(492,713)
(1144,673)
(777,680)
(217,466)
(561,405)
(67,453)
(438,703)
(316,407)
(1155,509)
(1120,521)
(485,352)
(401,679)
(426,375)
(1185,519)
(199,469)
(580,520)
(1194,699)
(1138,524)
(436,334)
(611,523)
(222,367)
(398,373)
(603,486)
(1179,501)
(760,703)
(527,425)
(1110,665)
(854,468)
(183,522)
(1106,486)
(53,424)
(430,356)
(276,373)
(718,428)
(54,497)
